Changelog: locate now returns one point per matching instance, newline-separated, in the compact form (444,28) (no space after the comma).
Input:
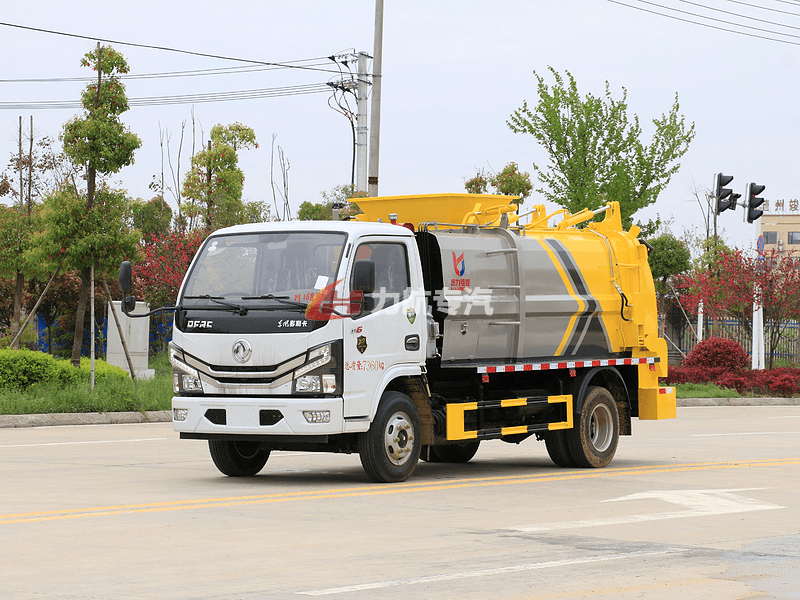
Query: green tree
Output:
(100,141)
(508,182)
(153,217)
(340,195)
(16,231)
(214,183)
(595,149)
(669,257)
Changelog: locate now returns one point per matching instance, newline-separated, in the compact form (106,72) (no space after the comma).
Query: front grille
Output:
(269,417)
(217,416)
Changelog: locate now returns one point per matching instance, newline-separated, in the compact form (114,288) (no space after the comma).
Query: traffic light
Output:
(734,198)
(721,193)
(752,202)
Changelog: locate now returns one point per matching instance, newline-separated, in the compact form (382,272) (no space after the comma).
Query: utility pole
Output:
(21,195)
(361,123)
(375,110)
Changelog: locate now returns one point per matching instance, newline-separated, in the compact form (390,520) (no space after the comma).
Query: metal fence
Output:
(682,337)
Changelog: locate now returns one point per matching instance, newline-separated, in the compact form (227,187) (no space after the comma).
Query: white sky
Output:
(454,70)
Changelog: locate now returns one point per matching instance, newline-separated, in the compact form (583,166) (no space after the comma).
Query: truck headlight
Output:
(184,377)
(322,371)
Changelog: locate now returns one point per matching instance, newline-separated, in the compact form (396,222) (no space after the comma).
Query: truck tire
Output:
(238,459)
(390,449)
(428,455)
(557,446)
(593,440)
(456,453)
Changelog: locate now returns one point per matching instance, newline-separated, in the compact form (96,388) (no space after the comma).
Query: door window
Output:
(392,282)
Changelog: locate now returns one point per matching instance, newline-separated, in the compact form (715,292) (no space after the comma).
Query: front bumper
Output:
(257,416)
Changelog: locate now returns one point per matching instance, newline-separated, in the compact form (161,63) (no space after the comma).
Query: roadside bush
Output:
(717,352)
(693,374)
(20,369)
(777,382)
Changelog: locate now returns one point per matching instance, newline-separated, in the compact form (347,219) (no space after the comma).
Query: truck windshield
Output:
(286,268)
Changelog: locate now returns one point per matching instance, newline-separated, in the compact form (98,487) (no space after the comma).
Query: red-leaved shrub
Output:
(777,382)
(694,374)
(716,352)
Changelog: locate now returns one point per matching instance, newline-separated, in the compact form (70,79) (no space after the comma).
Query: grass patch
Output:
(704,390)
(110,394)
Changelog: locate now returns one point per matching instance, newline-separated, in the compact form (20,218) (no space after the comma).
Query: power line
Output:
(741,16)
(297,90)
(777,10)
(163,48)
(707,25)
(168,74)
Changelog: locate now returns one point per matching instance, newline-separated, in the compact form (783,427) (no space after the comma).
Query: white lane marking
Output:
(700,503)
(786,417)
(746,433)
(86,442)
(485,572)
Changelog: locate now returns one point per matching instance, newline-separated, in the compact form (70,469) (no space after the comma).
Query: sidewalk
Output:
(165,416)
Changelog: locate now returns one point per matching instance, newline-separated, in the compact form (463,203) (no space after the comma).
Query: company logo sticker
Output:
(361,344)
(411,314)
(459,264)
(242,351)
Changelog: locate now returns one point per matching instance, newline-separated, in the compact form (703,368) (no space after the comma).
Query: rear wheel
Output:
(428,455)
(558,448)
(593,441)
(238,459)
(390,450)
(456,453)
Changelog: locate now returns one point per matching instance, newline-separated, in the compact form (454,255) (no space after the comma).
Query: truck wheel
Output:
(557,446)
(390,449)
(428,455)
(593,440)
(238,459)
(456,453)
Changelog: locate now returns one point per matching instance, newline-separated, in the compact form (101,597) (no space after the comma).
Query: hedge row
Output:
(783,382)
(20,369)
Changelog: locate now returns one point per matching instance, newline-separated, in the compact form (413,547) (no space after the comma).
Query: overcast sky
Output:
(454,70)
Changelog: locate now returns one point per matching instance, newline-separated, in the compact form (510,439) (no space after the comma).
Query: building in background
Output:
(781,226)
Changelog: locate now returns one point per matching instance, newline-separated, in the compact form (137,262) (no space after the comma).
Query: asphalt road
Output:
(705,506)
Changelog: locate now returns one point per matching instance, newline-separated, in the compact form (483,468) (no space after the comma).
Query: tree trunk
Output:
(83,300)
(17,318)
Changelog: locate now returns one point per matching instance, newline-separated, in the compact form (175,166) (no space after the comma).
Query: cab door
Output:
(390,330)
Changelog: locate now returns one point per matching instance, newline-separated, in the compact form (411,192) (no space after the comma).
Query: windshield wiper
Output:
(240,310)
(281,299)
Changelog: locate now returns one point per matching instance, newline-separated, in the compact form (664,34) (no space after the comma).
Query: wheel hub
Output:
(602,428)
(399,438)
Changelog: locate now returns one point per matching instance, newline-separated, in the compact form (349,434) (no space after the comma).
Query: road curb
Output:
(685,402)
(51,419)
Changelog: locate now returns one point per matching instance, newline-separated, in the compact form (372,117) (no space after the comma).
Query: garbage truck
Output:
(417,330)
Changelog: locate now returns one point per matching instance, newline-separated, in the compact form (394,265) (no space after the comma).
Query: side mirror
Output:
(125,278)
(364,283)
(126,287)
(364,276)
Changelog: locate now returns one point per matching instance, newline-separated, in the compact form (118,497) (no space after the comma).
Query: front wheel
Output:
(238,459)
(390,450)
(593,440)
